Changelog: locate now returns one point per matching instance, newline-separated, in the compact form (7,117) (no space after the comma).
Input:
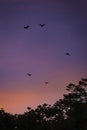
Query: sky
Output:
(40,51)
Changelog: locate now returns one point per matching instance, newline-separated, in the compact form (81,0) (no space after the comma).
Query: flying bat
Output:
(42,25)
(46,82)
(68,54)
(29,74)
(26,27)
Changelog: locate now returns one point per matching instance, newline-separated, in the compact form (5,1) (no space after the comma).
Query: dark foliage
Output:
(69,113)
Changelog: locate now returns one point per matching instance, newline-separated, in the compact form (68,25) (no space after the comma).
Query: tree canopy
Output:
(68,113)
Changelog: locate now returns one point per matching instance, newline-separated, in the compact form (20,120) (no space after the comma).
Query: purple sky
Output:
(40,51)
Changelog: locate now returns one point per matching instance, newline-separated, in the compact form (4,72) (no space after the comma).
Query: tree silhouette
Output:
(7,121)
(74,105)
(68,113)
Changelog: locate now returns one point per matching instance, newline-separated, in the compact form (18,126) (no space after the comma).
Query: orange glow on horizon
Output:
(17,100)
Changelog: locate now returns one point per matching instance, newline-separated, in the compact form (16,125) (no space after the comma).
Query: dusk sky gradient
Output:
(40,51)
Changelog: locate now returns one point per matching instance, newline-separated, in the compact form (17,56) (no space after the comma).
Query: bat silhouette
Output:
(68,54)
(29,74)
(46,82)
(26,27)
(42,25)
